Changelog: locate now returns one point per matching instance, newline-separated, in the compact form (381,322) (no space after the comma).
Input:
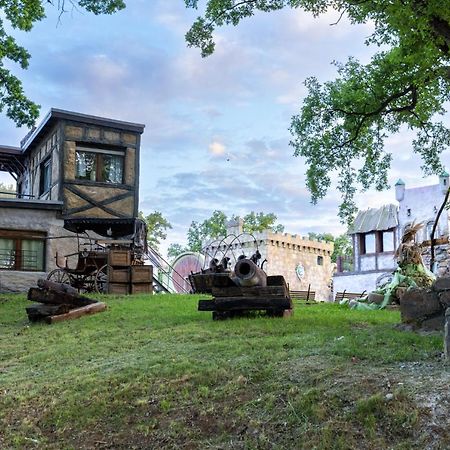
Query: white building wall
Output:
(356,282)
(422,204)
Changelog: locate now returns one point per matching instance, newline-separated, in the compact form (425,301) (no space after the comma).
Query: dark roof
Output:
(375,219)
(11,160)
(55,114)
(104,227)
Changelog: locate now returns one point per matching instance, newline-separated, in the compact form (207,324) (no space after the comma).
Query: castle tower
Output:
(400,190)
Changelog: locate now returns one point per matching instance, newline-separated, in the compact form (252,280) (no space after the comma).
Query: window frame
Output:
(99,154)
(45,167)
(18,237)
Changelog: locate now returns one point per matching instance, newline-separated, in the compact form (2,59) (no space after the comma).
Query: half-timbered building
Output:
(71,167)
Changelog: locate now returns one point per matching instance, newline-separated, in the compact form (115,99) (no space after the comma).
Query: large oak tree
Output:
(344,121)
(22,15)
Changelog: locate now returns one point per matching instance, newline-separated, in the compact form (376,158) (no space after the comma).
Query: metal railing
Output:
(19,260)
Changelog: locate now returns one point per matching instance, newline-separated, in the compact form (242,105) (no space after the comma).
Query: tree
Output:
(259,222)
(346,121)
(7,190)
(175,250)
(22,15)
(156,227)
(342,244)
(215,227)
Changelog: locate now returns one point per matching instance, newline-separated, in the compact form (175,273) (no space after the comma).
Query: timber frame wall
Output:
(51,148)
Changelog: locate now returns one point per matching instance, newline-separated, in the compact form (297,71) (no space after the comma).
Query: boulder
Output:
(441,284)
(419,304)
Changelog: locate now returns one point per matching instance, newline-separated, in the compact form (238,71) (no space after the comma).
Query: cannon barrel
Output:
(249,274)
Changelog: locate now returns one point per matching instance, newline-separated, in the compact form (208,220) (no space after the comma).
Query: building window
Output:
(45,176)
(320,260)
(387,241)
(367,243)
(20,253)
(99,165)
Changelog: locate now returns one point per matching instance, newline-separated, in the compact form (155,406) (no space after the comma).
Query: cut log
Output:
(206,305)
(58,298)
(38,311)
(241,303)
(58,287)
(254,291)
(77,312)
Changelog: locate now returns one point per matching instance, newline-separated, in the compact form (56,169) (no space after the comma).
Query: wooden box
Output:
(118,288)
(119,258)
(141,274)
(142,288)
(118,275)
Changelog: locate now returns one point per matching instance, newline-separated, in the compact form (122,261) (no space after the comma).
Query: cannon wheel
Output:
(101,280)
(59,276)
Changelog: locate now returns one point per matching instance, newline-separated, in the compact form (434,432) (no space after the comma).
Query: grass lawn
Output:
(153,372)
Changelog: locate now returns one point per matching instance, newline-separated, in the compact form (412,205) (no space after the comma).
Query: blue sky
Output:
(216,132)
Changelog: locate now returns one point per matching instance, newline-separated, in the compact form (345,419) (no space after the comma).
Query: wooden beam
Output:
(78,312)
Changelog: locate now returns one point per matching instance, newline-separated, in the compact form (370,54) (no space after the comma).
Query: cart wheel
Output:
(101,280)
(59,276)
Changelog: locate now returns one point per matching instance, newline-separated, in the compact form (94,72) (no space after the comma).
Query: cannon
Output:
(247,273)
(246,288)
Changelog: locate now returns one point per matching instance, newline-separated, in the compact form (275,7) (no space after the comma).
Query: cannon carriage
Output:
(240,285)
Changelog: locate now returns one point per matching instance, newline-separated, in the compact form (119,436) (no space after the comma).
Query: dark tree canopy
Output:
(22,15)
(343,124)
(157,227)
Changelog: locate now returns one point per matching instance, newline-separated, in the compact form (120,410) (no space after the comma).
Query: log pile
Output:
(57,302)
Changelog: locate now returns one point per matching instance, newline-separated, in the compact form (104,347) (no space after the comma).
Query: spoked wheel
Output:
(59,276)
(101,280)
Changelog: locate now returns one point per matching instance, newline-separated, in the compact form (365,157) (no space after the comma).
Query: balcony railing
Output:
(9,194)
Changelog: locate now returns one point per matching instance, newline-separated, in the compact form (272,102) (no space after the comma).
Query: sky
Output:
(216,134)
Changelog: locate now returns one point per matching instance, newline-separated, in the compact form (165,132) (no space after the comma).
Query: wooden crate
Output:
(118,275)
(141,274)
(142,288)
(119,288)
(119,258)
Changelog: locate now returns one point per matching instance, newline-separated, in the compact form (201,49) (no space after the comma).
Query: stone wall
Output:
(441,259)
(34,216)
(284,254)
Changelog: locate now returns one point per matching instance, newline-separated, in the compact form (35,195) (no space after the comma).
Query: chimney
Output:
(443,181)
(400,190)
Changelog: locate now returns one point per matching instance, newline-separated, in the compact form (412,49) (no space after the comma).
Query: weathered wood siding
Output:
(85,198)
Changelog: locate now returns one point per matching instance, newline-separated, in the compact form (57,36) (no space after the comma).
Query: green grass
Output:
(154,372)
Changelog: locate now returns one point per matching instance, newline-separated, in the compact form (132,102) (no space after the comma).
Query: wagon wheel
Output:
(101,280)
(59,276)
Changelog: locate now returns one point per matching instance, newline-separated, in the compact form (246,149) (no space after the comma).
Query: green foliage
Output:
(22,15)
(215,227)
(342,244)
(175,249)
(156,227)
(258,222)
(345,122)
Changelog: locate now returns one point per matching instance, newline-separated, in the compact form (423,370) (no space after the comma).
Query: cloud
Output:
(217,148)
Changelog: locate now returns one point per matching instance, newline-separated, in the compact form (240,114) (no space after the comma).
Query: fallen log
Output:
(39,311)
(58,298)
(244,303)
(77,312)
(58,287)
